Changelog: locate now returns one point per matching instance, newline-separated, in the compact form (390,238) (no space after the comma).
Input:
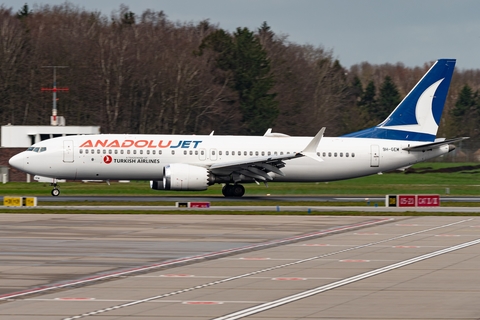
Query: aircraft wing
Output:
(429,146)
(259,167)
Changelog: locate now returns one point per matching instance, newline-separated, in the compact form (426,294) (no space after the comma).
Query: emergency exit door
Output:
(68,151)
(374,155)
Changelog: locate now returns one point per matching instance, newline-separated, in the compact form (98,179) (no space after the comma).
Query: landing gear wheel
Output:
(237,190)
(55,192)
(226,190)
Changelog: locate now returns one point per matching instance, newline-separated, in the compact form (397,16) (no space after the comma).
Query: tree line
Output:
(148,74)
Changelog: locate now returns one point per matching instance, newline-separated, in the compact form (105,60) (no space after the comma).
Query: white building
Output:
(25,136)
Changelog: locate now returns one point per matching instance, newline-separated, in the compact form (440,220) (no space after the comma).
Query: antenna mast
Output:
(54,89)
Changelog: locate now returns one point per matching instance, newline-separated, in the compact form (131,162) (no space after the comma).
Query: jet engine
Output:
(182,177)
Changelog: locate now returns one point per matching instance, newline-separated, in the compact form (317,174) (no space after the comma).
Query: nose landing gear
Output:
(55,191)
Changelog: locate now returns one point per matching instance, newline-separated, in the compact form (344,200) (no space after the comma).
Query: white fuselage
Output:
(142,157)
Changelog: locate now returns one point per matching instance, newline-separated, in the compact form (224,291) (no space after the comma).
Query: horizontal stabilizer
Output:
(432,145)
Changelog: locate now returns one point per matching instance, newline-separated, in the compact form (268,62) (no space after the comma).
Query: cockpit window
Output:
(42,149)
(30,149)
(36,149)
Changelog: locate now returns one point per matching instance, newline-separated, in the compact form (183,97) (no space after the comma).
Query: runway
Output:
(239,267)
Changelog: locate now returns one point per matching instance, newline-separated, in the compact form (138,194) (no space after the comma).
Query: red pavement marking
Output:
(203,302)
(366,233)
(74,299)
(189,259)
(405,247)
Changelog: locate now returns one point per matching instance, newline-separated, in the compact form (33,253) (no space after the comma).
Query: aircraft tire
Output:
(55,192)
(237,190)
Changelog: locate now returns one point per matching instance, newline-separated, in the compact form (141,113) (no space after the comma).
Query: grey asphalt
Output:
(326,267)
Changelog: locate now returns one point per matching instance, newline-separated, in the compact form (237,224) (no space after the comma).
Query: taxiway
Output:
(82,266)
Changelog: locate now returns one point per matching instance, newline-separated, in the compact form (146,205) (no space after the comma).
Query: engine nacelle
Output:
(182,177)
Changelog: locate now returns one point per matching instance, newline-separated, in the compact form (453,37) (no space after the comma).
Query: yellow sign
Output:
(12,201)
(30,201)
(20,201)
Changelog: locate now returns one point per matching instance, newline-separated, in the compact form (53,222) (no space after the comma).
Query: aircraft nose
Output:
(18,161)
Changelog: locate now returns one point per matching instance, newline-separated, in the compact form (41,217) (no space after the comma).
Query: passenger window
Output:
(98,151)
(81,151)
(251,153)
(281,153)
(244,153)
(184,152)
(173,152)
(141,151)
(93,151)
(121,151)
(191,152)
(353,155)
(335,154)
(324,154)
(116,151)
(346,154)
(148,151)
(86,151)
(219,153)
(329,154)
(104,151)
(109,151)
(134,151)
(256,153)
(196,152)
(341,154)
(153,152)
(226,153)
(269,153)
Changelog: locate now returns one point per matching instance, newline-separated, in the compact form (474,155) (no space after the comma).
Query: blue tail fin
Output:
(417,117)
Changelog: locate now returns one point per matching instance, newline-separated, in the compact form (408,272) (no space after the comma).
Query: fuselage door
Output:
(213,154)
(202,154)
(374,155)
(68,151)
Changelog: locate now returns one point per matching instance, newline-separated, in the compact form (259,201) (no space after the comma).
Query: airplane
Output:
(195,162)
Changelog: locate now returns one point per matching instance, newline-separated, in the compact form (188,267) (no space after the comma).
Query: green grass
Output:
(460,181)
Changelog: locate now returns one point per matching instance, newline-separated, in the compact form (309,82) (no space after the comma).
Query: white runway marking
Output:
(276,303)
(265,270)
(201,257)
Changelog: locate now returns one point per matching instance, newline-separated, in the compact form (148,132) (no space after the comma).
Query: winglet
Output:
(311,149)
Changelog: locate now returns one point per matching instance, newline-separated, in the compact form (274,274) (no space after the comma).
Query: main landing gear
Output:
(55,191)
(235,190)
